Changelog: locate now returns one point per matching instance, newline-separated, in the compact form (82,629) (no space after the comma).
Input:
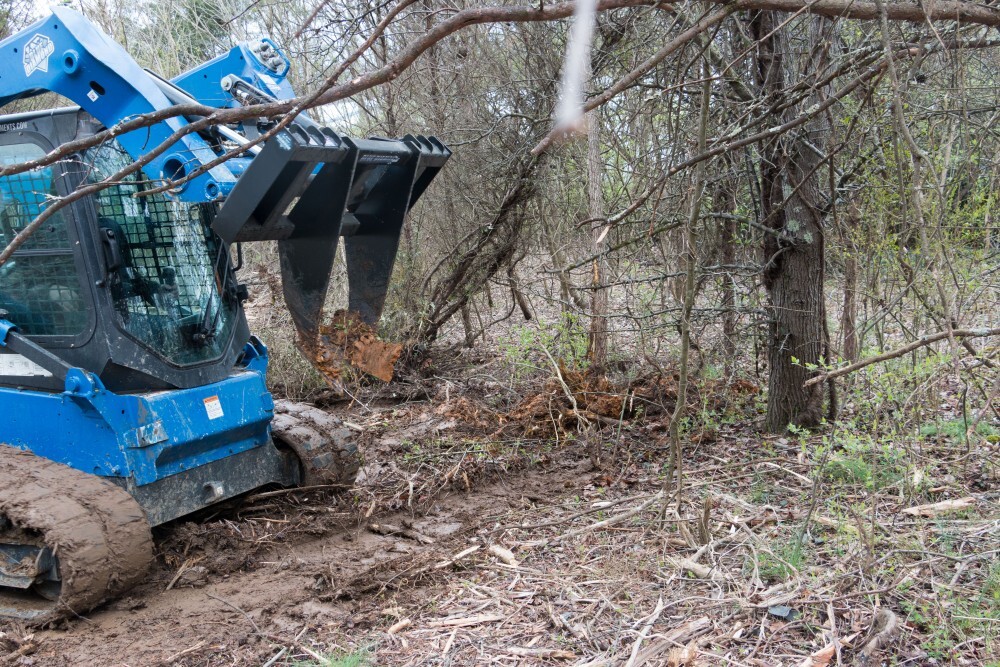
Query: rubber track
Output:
(98,532)
(327,449)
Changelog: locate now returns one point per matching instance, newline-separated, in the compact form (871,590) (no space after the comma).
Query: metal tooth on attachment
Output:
(431,148)
(332,138)
(298,133)
(315,136)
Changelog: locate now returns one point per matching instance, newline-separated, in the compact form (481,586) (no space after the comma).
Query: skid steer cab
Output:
(132,391)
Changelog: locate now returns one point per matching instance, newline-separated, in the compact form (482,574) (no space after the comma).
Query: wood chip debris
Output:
(399,625)
(551,653)
(825,655)
(465,622)
(506,555)
(668,643)
(697,569)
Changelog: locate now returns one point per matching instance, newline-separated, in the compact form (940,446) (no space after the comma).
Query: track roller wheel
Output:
(327,450)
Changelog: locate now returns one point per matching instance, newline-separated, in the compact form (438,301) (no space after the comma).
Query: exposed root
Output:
(347,343)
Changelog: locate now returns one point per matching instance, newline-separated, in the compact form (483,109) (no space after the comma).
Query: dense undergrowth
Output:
(869,540)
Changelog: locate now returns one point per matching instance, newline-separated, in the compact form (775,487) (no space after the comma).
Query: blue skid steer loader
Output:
(131,389)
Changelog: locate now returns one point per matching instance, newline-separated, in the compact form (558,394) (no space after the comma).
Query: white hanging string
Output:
(569,111)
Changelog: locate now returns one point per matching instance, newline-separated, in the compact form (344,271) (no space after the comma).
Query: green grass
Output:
(565,339)
(956,428)
(359,658)
(862,461)
(781,565)
(954,619)
(849,470)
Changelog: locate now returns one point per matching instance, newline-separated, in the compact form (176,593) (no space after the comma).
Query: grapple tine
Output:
(380,208)
(371,252)
(307,256)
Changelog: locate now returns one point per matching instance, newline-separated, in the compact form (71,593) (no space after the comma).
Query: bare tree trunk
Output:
(794,251)
(598,341)
(849,317)
(689,253)
(726,199)
(467,329)
(797,331)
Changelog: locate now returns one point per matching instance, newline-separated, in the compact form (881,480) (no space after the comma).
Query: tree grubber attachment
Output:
(305,189)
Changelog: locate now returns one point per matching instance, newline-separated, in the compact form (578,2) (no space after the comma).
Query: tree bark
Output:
(726,202)
(794,252)
(597,351)
(850,346)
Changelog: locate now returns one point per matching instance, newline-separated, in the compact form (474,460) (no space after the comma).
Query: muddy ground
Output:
(535,532)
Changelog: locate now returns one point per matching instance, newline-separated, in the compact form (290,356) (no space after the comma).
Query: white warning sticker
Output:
(213,407)
(15,364)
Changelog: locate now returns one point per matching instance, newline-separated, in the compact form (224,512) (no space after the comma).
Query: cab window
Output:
(39,286)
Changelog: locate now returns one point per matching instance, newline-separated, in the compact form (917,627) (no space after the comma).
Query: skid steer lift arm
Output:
(68,55)
(305,187)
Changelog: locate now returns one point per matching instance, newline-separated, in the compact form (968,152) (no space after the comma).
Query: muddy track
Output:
(326,447)
(95,528)
(310,580)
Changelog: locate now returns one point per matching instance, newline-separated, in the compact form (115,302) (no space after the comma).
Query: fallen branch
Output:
(825,655)
(239,609)
(466,621)
(679,636)
(935,509)
(389,529)
(399,625)
(188,651)
(293,643)
(506,555)
(284,649)
(540,653)
(698,570)
(647,626)
(457,557)
(915,345)
(180,571)
(883,630)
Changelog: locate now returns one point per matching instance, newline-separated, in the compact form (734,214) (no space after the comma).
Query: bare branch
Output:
(915,345)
